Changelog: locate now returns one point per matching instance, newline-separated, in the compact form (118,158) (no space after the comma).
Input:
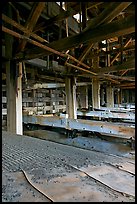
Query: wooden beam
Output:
(31,22)
(6,30)
(85,52)
(117,55)
(130,65)
(93,4)
(76,67)
(108,14)
(119,77)
(127,84)
(61,16)
(113,29)
(22,28)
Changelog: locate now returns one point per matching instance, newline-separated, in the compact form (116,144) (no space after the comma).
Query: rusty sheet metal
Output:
(128,167)
(114,178)
(61,186)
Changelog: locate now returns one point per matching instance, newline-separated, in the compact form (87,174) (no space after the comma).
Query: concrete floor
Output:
(63,173)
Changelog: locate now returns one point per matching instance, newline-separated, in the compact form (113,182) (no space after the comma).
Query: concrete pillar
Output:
(70,87)
(110,96)
(19,129)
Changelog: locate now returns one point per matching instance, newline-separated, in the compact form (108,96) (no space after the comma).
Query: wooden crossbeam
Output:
(15,34)
(113,29)
(61,16)
(121,78)
(108,14)
(128,65)
(31,22)
(85,52)
(22,28)
(117,55)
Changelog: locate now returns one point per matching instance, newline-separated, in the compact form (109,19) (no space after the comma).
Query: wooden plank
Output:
(115,28)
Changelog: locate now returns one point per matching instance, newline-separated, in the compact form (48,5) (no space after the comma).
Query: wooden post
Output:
(19,129)
(70,86)
(95,82)
(10,81)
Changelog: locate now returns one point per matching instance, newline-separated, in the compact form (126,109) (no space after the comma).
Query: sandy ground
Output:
(63,173)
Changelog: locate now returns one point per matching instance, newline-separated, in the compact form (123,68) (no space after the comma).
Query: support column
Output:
(109,88)
(70,86)
(102,97)
(95,81)
(11,97)
(95,93)
(82,97)
(10,80)
(13,85)
(19,129)
(110,96)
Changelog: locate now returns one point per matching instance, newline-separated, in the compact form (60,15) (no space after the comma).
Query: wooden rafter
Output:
(117,55)
(121,78)
(116,28)
(22,28)
(15,34)
(31,22)
(128,65)
(108,14)
(61,16)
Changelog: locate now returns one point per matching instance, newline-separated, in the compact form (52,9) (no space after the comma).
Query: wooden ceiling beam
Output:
(15,34)
(119,77)
(113,29)
(129,64)
(117,55)
(31,22)
(22,28)
(108,14)
(61,16)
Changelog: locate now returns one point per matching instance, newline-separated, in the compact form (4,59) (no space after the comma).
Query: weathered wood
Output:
(31,22)
(121,78)
(85,52)
(10,81)
(117,55)
(108,14)
(41,45)
(22,28)
(130,64)
(115,28)
(76,67)
(61,16)
(127,84)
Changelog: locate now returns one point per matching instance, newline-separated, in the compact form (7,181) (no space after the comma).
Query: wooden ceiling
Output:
(105,29)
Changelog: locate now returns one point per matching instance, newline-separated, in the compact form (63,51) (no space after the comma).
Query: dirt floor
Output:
(37,170)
